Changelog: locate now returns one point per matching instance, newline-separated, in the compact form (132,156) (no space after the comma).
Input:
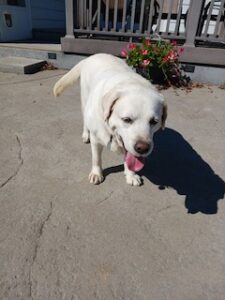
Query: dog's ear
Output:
(108,103)
(164,115)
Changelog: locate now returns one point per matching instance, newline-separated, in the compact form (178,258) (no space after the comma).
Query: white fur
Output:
(110,92)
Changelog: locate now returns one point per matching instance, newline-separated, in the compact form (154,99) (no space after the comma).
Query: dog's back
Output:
(94,69)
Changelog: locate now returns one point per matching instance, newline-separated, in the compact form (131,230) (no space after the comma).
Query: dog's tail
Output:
(67,80)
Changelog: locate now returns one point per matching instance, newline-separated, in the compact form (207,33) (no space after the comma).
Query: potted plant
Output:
(157,61)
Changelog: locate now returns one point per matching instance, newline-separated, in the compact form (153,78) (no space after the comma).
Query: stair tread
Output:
(23,65)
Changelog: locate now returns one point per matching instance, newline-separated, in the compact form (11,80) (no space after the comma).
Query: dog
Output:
(121,111)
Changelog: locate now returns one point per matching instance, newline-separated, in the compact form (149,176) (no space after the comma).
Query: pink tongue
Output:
(134,163)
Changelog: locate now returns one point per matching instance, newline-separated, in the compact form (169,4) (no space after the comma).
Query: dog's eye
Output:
(153,121)
(127,120)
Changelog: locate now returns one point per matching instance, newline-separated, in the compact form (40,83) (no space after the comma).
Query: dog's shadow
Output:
(174,163)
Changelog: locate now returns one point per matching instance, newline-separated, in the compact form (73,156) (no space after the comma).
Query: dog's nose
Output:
(142,147)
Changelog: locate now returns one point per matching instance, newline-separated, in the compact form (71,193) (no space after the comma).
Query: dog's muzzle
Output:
(142,147)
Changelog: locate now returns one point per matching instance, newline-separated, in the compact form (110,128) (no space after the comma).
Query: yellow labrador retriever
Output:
(121,110)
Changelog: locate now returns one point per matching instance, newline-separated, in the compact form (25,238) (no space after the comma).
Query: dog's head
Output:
(134,114)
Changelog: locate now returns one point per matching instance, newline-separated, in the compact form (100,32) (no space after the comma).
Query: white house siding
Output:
(48,14)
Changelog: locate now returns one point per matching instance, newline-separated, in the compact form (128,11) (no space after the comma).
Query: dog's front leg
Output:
(131,177)
(96,176)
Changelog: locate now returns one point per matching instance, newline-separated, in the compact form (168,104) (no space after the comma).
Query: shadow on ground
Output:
(175,164)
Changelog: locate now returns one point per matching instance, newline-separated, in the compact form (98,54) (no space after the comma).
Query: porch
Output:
(108,25)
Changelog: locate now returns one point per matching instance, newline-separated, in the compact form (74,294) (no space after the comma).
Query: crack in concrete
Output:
(20,158)
(183,253)
(32,80)
(106,198)
(37,245)
(165,208)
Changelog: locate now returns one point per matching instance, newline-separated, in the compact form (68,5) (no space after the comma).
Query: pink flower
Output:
(146,62)
(131,46)
(147,41)
(174,43)
(165,59)
(181,50)
(124,53)
(172,56)
(144,51)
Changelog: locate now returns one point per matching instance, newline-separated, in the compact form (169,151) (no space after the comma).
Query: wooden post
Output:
(193,19)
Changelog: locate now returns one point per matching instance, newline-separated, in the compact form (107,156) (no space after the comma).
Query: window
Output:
(8,20)
(16,2)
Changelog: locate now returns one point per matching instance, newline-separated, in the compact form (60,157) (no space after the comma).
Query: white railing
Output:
(106,25)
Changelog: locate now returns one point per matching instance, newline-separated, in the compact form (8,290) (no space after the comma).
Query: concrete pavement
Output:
(62,238)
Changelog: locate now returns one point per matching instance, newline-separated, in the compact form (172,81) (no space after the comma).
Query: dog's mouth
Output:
(134,163)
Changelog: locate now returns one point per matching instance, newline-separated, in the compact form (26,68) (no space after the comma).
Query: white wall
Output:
(48,14)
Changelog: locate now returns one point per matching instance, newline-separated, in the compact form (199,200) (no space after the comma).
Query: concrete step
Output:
(49,52)
(21,65)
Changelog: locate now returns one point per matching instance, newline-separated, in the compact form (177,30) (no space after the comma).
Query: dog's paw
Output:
(86,137)
(134,179)
(96,178)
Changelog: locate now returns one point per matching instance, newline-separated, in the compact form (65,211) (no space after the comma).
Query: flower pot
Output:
(154,74)
(142,71)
